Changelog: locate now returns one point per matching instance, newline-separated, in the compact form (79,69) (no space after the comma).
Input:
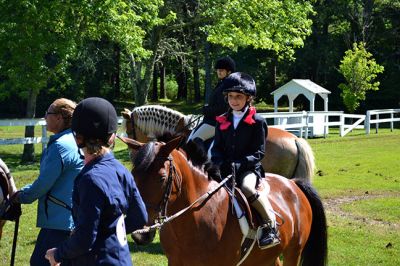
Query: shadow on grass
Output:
(13,161)
(152,248)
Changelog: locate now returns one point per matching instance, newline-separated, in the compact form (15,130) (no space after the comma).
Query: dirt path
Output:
(333,206)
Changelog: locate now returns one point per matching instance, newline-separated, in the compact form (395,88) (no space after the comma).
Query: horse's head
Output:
(155,176)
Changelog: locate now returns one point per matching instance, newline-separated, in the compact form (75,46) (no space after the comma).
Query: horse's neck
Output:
(195,183)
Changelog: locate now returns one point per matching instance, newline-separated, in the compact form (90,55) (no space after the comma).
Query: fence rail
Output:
(29,122)
(378,118)
(303,124)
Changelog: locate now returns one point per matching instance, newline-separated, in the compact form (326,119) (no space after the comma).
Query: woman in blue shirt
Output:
(59,165)
(106,201)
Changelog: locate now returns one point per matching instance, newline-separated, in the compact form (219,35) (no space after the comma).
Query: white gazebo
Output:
(309,89)
(295,87)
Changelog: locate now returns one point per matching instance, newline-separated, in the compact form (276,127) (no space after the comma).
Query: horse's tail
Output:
(306,162)
(316,250)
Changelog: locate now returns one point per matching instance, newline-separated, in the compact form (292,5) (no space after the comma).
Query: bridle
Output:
(162,207)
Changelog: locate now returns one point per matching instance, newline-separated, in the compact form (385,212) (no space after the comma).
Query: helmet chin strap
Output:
(245,107)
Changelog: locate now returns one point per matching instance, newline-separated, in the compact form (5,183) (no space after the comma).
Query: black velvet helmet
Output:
(240,82)
(95,118)
(226,63)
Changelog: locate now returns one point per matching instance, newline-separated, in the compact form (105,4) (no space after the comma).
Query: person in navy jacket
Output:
(60,163)
(216,104)
(239,145)
(106,201)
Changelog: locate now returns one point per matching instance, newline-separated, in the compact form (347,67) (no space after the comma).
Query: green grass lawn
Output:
(358,178)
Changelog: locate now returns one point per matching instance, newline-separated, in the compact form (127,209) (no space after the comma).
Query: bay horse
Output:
(7,189)
(285,155)
(208,233)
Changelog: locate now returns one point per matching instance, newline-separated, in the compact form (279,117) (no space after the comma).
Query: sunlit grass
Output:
(349,166)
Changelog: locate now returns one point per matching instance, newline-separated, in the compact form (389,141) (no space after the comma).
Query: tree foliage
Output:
(360,71)
(280,26)
(37,38)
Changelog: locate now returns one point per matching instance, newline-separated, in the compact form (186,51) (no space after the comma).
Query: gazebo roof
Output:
(300,86)
(296,87)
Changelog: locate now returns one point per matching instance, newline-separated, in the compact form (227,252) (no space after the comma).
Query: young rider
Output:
(240,139)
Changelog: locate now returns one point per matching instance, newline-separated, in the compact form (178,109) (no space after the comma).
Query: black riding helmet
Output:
(95,118)
(240,82)
(226,63)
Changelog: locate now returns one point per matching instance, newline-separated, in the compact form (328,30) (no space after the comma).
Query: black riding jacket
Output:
(216,104)
(244,145)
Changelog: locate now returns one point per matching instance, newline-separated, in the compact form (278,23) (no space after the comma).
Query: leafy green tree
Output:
(280,26)
(38,37)
(360,71)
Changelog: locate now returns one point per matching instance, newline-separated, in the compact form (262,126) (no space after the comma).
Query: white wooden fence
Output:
(381,116)
(29,122)
(25,122)
(303,124)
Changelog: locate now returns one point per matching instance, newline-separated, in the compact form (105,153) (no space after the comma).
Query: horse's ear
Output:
(166,149)
(133,144)
(126,113)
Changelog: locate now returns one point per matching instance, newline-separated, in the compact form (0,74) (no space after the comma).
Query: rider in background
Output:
(106,201)
(216,103)
(59,165)
(239,143)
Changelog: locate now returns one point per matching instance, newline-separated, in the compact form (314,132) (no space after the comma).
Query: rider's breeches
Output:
(259,202)
(204,132)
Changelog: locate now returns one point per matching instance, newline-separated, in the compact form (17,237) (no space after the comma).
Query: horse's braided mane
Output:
(195,153)
(157,119)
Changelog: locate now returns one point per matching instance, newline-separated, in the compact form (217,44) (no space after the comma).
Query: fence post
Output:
(367,125)
(377,123)
(341,125)
(44,137)
(305,114)
(391,122)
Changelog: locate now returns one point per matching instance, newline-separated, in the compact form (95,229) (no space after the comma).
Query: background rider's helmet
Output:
(226,63)
(95,118)
(240,82)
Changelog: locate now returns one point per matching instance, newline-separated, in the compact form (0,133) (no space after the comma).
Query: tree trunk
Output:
(207,68)
(115,79)
(141,85)
(196,80)
(163,93)
(273,72)
(28,155)
(154,95)
(182,85)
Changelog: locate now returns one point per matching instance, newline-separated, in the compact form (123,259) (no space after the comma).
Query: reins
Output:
(162,220)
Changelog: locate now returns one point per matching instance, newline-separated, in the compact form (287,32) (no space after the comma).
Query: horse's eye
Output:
(163,176)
